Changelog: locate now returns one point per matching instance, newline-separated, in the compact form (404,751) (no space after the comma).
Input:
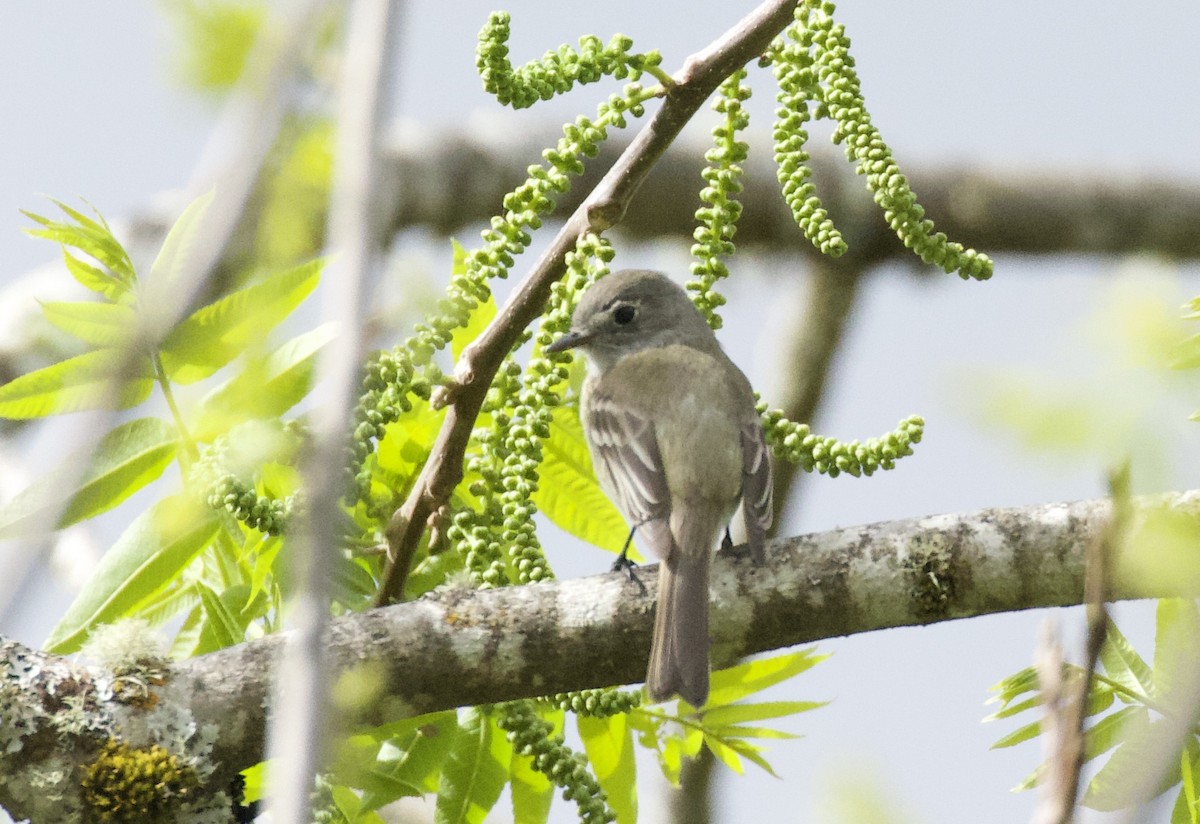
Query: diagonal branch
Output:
(602,209)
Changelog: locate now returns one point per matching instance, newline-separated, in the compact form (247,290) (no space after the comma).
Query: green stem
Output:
(160,374)
(1132,695)
(659,74)
(1138,698)
(678,719)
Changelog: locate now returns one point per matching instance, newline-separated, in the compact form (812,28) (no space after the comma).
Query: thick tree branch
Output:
(460,180)
(449,181)
(604,207)
(462,647)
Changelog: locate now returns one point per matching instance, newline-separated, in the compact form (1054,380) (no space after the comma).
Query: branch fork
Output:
(703,72)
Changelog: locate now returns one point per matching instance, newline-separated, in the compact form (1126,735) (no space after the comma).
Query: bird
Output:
(676,443)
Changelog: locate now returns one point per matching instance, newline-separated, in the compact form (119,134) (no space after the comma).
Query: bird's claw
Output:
(625,564)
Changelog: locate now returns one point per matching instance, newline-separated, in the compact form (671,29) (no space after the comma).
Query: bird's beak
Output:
(568,341)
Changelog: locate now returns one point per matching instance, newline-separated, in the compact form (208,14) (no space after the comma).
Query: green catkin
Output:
(795,442)
(391,377)
(532,737)
(864,146)
(718,217)
(261,512)
(596,703)
(224,490)
(500,541)
(792,65)
(556,72)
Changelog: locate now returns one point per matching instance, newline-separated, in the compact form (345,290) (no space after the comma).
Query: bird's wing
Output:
(625,451)
(756,487)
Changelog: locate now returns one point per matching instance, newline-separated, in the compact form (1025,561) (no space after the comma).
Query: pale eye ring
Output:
(624,314)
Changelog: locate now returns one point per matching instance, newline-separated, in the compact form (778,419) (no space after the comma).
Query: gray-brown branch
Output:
(451,180)
(604,207)
(462,647)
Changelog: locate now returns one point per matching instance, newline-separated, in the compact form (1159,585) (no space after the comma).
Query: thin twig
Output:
(298,732)
(1054,806)
(1063,735)
(602,209)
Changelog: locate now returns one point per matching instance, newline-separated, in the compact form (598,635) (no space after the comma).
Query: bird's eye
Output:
(624,313)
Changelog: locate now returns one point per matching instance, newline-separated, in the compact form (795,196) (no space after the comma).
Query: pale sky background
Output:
(1100,88)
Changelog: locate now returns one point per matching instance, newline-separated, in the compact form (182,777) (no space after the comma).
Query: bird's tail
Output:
(679,652)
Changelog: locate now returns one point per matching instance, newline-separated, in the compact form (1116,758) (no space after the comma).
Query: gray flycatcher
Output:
(676,443)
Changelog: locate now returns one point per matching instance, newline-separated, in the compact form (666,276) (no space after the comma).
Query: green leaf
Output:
(256,782)
(262,567)
(433,571)
(568,492)
(1100,699)
(94,239)
(1118,783)
(1182,812)
(1187,355)
(1016,684)
(476,771)
(741,713)
(1187,803)
(406,443)
(217,333)
(1032,730)
(725,754)
(421,763)
(735,683)
(212,40)
(293,195)
(1112,729)
(99,324)
(223,626)
(266,388)
(77,383)
(97,280)
(126,459)
(1032,780)
(608,743)
(1015,709)
(406,763)
(155,548)
(752,753)
(1123,665)
(670,758)
(179,244)
(693,740)
(1176,656)
(532,791)
(346,802)
(727,733)
(168,604)
(184,644)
